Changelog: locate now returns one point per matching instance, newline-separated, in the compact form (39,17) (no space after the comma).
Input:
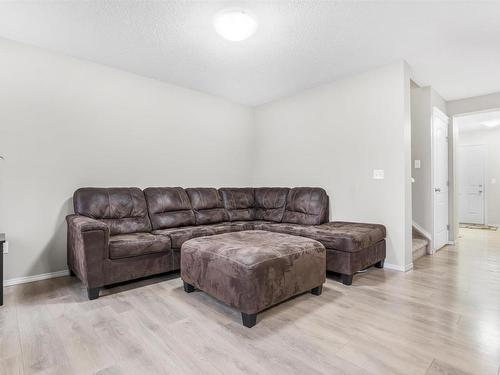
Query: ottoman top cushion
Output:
(250,249)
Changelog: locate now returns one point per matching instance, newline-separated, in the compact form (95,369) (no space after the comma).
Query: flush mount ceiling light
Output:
(235,24)
(491,124)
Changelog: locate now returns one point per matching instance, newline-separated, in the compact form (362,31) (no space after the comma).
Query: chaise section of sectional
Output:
(350,247)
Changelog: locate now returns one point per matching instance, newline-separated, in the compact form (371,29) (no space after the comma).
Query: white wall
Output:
(456,108)
(474,104)
(67,123)
(423,100)
(491,139)
(334,136)
(421,150)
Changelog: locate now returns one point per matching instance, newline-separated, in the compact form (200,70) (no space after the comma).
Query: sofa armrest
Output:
(88,247)
(84,223)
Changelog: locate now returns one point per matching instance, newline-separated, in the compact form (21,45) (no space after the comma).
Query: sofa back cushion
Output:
(239,203)
(270,203)
(207,205)
(305,205)
(124,210)
(169,207)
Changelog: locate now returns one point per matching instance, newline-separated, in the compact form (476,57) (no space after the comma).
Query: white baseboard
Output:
(53,275)
(30,279)
(395,267)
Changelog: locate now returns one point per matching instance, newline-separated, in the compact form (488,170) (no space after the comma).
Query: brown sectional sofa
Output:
(120,234)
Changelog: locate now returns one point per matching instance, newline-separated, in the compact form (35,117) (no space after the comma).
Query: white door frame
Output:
(438,113)
(485,177)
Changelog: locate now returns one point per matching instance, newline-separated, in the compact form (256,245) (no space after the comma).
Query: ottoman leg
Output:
(249,320)
(380,264)
(188,288)
(347,279)
(317,291)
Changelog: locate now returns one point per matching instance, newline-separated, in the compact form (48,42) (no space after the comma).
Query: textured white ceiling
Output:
(455,47)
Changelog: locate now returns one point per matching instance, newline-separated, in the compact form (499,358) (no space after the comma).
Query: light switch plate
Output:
(378,174)
(5,247)
(493,181)
(417,164)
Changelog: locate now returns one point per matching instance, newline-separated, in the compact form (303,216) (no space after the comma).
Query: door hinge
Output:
(447,226)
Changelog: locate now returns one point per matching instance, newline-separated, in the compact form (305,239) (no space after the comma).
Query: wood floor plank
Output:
(441,318)
(441,368)
(12,366)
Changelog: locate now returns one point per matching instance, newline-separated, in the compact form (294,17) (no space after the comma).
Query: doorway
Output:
(471,175)
(477,169)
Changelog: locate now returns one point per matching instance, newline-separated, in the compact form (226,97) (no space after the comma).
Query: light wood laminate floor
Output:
(442,318)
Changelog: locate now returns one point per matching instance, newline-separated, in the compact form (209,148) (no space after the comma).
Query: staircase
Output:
(420,244)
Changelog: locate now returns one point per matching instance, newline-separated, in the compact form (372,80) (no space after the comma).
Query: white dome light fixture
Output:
(491,124)
(235,24)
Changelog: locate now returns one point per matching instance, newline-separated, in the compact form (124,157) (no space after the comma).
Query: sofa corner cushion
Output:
(136,244)
(207,205)
(342,236)
(124,210)
(306,205)
(169,207)
(270,203)
(239,203)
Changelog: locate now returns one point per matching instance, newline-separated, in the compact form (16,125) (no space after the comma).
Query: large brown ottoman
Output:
(253,270)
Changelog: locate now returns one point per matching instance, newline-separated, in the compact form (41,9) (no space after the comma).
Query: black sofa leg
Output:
(93,293)
(347,279)
(380,264)
(317,291)
(249,320)
(188,288)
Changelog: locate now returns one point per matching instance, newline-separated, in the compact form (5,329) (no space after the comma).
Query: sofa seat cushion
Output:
(180,235)
(135,244)
(342,236)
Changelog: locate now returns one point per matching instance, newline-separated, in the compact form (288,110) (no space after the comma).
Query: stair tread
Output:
(418,243)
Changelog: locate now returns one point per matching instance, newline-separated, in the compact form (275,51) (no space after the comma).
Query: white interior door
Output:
(440,178)
(471,161)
